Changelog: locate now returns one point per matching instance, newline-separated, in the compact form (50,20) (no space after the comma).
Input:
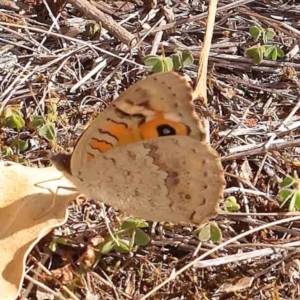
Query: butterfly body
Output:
(145,155)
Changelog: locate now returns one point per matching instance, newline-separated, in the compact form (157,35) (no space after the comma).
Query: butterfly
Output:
(146,156)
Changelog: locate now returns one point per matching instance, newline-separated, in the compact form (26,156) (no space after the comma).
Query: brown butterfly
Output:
(146,155)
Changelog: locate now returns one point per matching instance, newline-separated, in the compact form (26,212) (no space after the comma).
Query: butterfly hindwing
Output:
(175,178)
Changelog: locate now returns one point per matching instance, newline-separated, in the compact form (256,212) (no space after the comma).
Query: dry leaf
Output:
(65,274)
(26,216)
(246,172)
(242,284)
(292,269)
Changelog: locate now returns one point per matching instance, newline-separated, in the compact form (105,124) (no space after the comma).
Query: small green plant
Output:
(231,204)
(290,191)
(209,231)
(59,241)
(7,152)
(273,52)
(176,61)
(257,31)
(45,125)
(269,51)
(182,59)
(19,145)
(123,240)
(126,238)
(47,131)
(256,53)
(158,63)
(12,118)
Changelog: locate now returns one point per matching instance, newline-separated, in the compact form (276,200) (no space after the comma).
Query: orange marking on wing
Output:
(90,156)
(102,146)
(127,135)
(131,135)
(149,129)
(115,129)
(124,135)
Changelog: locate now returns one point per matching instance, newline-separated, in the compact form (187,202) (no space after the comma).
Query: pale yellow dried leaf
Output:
(26,216)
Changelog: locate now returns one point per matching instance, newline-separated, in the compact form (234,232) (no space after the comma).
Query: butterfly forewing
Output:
(158,105)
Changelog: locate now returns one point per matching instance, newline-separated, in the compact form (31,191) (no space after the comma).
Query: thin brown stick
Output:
(200,90)
(267,214)
(269,249)
(254,222)
(261,150)
(107,22)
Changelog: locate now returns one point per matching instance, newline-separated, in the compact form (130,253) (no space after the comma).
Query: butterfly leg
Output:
(53,200)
